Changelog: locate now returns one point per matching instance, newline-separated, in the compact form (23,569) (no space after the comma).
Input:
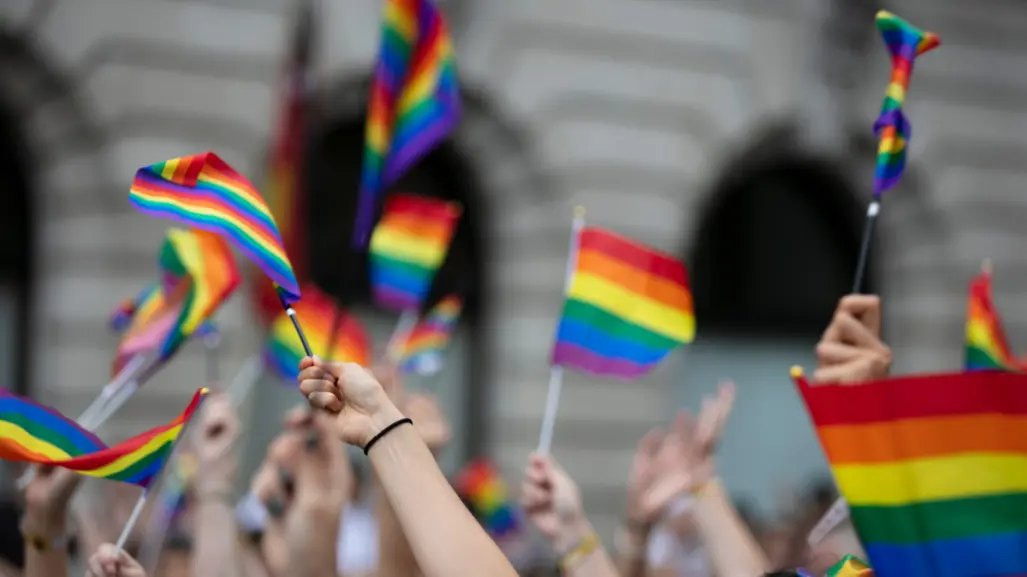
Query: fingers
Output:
(298,416)
(865,308)
(649,444)
(107,561)
(835,353)
(318,383)
(862,369)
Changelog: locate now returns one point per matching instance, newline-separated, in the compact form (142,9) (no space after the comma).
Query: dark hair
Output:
(12,545)
(781,573)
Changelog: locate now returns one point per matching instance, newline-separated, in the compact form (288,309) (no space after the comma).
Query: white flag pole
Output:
(545,441)
(404,325)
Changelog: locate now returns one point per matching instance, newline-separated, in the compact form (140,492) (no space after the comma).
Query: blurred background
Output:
(733,133)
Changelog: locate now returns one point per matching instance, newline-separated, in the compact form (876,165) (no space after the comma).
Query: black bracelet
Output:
(383,432)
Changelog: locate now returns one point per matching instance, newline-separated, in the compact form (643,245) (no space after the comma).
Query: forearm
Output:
(732,549)
(215,550)
(581,554)
(313,536)
(630,544)
(446,539)
(48,556)
(395,558)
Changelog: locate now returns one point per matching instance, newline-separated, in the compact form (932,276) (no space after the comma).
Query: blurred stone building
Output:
(734,133)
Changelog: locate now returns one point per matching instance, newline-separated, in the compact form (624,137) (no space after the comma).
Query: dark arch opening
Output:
(17,235)
(776,248)
(332,176)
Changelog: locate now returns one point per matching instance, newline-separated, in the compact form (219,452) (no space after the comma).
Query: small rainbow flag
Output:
(142,303)
(934,469)
(986,344)
(414,102)
(204,192)
(484,491)
(627,307)
(283,349)
(905,42)
(33,433)
(423,348)
(850,566)
(408,247)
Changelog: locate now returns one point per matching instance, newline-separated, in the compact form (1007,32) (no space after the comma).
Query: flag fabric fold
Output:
(32,433)
(283,349)
(414,102)
(627,306)
(408,247)
(904,42)
(423,348)
(933,467)
(202,191)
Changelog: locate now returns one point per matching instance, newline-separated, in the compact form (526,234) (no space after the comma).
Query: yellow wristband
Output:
(582,550)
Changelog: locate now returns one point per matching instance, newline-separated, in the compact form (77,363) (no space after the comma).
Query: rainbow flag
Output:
(422,349)
(204,192)
(286,194)
(283,349)
(905,42)
(198,275)
(934,469)
(850,566)
(986,344)
(627,307)
(485,493)
(408,247)
(126,310)
(32,433)
(414,102)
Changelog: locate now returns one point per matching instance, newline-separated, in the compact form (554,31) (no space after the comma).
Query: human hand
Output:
(361,405)
(108,561)
(272,486)
(850,350)
(552,501)
(47,498)
(216,434)
(429,420)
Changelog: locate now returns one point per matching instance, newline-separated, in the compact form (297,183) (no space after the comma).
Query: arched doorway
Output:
(776,248)
(333,173)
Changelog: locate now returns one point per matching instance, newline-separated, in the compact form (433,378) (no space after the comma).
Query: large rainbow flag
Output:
(283,349)
(934,469)
(423,347)
(627,307)
(905,42)
(408,247)
(204,192)
(986,343)
(33,433)
(414,102)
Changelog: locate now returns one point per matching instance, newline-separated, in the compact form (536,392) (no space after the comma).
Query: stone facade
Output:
(629,107)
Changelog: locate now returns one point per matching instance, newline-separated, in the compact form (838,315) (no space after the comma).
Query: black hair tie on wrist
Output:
(385,431)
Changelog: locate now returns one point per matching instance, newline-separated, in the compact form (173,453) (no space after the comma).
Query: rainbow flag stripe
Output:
(934,469)
(143,303)
(484,491)
(204,192)
(317,311)
(905,42)
(850,566)
(414,102)
(35,434)
(627,307)
(986,344)
(423,348)
(408,247)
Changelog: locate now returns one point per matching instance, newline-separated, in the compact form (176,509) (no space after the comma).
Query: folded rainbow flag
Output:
(986,343)
(934,469)
(627,307)
(484,491)
(204,192)
(414,102)
(408,247)
(283,349)
(905,42)
(850,566)
(198,274)
(422,349)
(33,433)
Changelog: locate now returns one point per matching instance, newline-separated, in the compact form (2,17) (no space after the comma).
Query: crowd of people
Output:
(678,519)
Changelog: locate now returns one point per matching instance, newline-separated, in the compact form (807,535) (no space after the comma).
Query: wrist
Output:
(43,525)
(386,414)
(571,534)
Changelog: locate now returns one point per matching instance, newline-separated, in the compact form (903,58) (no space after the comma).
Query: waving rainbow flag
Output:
(204,192)
(627,307)
(986,343)
(905,42)
(33,433)
(422,349)
(934,469)
(414,102)
(485,493)
(283,349)
(127,309)
(408,247)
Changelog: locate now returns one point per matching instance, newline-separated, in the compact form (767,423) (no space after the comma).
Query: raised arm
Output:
(446,539)
(44,525)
